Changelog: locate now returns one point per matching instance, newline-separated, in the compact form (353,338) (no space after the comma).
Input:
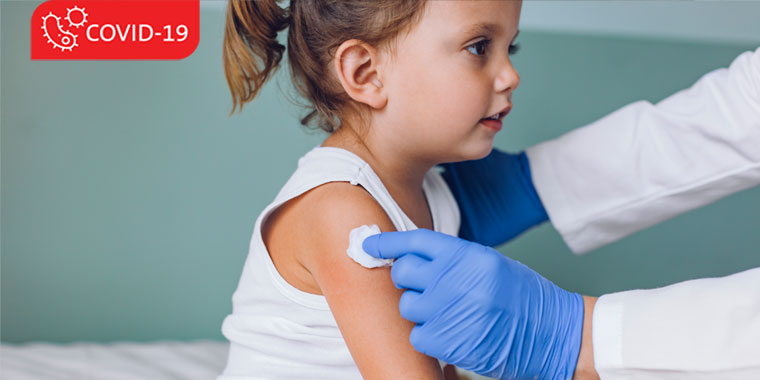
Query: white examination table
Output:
(160,360)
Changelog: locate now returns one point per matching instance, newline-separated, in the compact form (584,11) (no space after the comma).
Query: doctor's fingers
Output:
(415,307)
(412,272)
(422,242)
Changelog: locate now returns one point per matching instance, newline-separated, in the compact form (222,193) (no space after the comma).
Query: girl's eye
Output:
(479,48)
(514,48)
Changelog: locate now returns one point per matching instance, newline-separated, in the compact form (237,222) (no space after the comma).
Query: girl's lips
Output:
(491,124)
(495,124)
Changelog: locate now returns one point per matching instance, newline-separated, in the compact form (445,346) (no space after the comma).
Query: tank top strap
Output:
(447,218)
(330,164)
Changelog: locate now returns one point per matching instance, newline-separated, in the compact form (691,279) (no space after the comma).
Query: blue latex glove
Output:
(496,197)
(480,310)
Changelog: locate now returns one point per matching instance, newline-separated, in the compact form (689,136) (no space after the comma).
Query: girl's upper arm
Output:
(363,301)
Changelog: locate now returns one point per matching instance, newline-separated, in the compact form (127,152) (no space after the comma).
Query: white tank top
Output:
(277,331)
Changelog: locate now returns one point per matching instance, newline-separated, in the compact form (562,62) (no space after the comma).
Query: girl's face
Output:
(447,74)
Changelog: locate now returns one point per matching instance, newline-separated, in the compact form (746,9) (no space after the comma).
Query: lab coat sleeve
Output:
(645,163)
(695,330)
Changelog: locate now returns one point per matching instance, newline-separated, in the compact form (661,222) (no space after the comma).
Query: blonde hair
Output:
(251,52)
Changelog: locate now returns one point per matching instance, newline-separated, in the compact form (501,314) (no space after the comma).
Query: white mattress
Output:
(160,360)
(203,359)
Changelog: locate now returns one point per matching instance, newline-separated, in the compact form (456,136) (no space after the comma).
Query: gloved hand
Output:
(496,197)
(480,310)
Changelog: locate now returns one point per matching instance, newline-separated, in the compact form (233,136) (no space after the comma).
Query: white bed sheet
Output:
(203,359)
(159,360)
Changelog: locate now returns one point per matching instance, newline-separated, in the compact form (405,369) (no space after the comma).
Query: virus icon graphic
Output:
(58,36)
(82,15)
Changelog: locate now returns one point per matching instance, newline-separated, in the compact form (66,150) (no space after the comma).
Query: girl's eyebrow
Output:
(486,28)
(482,28)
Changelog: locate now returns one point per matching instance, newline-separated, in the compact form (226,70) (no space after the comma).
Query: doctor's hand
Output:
(480,310)
(496,197)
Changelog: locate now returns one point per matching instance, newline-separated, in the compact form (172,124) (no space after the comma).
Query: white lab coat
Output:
(636,167)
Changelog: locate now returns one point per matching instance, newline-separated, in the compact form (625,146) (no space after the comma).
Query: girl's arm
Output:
(364,301)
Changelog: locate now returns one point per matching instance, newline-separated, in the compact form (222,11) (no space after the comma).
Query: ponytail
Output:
(251,52)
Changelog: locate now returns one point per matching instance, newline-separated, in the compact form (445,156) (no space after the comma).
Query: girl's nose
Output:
(507,79)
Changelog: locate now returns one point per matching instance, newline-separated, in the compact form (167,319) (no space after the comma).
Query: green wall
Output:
(129,197)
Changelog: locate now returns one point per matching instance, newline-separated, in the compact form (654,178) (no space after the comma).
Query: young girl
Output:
(401,86)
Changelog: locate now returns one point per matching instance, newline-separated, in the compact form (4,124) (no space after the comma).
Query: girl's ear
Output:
(357,65)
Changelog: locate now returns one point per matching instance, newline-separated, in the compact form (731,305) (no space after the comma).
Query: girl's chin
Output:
(475,152)
(483,151)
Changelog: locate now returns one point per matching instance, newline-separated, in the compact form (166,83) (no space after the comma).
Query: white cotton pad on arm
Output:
(356,252)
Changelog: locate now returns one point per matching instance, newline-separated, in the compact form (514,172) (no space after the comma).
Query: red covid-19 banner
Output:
(115,29)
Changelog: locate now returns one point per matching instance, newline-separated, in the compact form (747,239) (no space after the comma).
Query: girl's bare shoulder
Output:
(328,214)
(307,234)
